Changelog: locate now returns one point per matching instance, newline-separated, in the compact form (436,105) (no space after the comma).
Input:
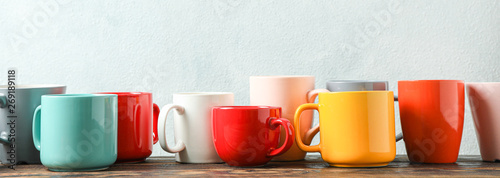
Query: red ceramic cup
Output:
(249,135)
(432,119)
(137,126)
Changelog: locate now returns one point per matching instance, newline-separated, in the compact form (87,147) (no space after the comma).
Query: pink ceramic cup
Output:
(484,100)
(287,92)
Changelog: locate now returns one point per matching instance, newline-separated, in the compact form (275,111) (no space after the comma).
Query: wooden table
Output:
(466,166)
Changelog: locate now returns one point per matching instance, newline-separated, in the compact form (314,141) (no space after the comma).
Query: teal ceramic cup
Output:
(76,132)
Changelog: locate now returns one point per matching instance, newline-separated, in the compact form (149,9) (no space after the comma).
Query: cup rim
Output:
(357,81)
(432,81)
(483,83)
(33,86)
(202,93)
(356,92)
(281,76)
(126,93)
(245,107)
(79,95)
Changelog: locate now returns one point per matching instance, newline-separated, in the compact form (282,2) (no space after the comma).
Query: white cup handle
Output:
(162,118)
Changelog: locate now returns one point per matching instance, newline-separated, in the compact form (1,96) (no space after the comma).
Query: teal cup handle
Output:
(3,104)
(36,127)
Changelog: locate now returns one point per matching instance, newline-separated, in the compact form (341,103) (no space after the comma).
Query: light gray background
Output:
(173,46)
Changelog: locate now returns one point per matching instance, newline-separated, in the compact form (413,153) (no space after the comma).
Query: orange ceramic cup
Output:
(432,119)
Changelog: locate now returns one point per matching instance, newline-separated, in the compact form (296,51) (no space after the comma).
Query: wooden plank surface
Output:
(466,166)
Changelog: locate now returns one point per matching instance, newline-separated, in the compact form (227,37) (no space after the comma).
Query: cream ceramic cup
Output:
(193,126)
(484,100)
(287,92)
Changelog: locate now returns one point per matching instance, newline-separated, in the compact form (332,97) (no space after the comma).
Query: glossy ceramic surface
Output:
(347,85)
(137,125)
(432,118)
(484,100)
(193,126)
(249,135)
(357,128)
(27,98)
(76,132)
(287,92)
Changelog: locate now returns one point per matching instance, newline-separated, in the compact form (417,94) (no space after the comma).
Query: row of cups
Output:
(77,132)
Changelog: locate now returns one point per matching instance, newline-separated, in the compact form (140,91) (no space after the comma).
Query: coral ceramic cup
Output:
(137,125)
(484,100)
(287,92)
(432,119)
(357,128)
(249,135)
(193,126)
(76,132)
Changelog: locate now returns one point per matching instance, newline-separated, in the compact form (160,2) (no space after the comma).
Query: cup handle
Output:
(36,127)
(137,124)
(399,136)
(4,140)
(3,100)
(156,112)
(311,96)
(179,146)
(296,121)
(308,137)
(290,135)
(3,104)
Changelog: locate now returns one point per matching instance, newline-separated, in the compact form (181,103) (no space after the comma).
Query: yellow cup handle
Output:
(298,139)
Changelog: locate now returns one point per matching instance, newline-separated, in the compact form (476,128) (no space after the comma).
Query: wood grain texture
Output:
(466,166)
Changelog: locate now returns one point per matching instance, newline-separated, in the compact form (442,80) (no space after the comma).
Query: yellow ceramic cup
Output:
(357,128)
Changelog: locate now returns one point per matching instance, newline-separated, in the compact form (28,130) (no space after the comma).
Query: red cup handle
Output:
(156,113)
(290,135)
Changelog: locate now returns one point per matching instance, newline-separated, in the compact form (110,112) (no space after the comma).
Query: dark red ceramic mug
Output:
(249,135)
(137,125)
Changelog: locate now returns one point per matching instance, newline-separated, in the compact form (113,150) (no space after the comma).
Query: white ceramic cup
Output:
(193,126)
